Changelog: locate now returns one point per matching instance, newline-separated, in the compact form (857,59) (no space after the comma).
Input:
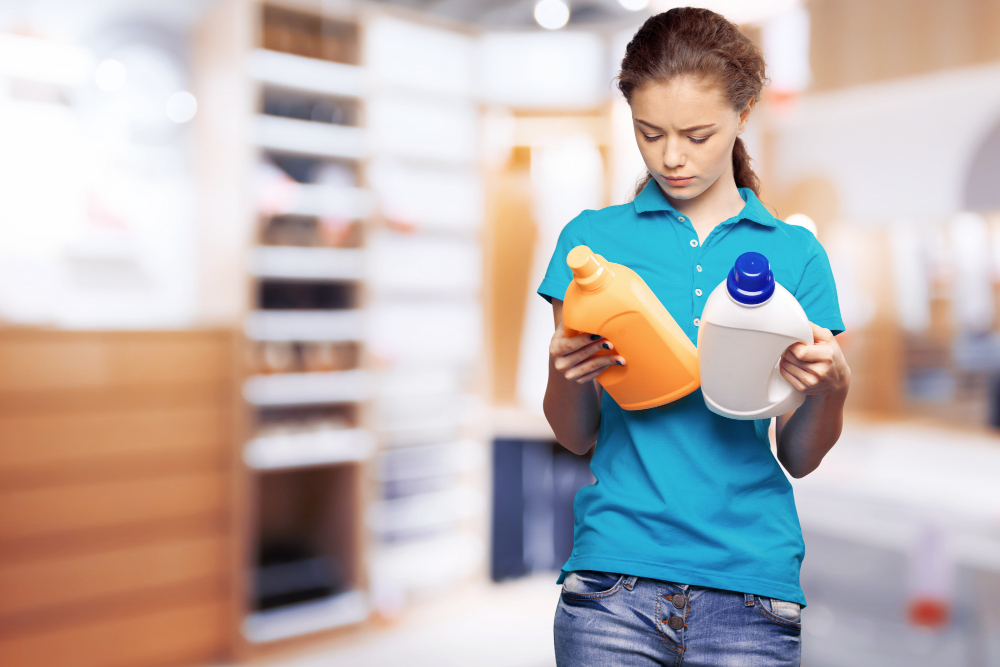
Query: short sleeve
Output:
(558,275)
(817,290)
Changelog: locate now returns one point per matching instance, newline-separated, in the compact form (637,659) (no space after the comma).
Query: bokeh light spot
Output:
(181,107)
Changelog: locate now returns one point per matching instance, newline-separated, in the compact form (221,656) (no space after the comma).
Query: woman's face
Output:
(685,129)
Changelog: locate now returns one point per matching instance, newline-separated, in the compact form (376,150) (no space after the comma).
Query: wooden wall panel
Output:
(111,445)
(185,635)
(854,42)
(53,509)
(116,472)
(39,584)
(51,361)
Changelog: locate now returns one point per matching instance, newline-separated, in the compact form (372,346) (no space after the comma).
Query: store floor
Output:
(490,625)
(889,497)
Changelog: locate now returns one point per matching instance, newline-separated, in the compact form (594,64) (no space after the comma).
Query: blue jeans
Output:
(612,619)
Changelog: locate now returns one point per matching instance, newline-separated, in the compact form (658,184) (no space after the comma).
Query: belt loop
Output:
(630,582)
(748,597)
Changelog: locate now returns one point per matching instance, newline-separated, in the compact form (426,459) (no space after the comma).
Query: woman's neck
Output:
(719,202)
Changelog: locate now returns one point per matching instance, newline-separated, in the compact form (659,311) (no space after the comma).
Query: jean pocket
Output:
(591,585)
(782,612)
(790,611)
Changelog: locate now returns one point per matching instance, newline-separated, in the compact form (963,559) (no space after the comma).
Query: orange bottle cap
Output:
(590,271)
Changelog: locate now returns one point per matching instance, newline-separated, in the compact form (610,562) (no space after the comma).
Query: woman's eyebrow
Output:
(686,129)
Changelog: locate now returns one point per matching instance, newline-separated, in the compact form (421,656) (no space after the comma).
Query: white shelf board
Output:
(304,137)
(306,617)
(335,326)
(306,74)
(427,563)
(307,388)
(428,413)
(295,450)
(425,511)
(461,456)
(331,201)
(294,263)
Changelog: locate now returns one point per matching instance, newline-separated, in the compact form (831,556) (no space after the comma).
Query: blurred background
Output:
(271,361)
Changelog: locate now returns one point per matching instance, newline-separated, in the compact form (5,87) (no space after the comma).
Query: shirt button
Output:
(698,267)
(694,243)
(681,218)
(697,322)
(676,622)
(697,292)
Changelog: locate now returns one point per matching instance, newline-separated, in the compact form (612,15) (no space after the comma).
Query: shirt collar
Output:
(652,199)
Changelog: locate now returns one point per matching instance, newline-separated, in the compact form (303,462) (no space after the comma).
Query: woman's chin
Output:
(681,192)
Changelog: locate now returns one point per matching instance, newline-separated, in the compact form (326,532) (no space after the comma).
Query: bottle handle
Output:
(778,388)
(780,393)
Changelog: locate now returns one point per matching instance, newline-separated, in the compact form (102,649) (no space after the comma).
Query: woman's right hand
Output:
(576,356)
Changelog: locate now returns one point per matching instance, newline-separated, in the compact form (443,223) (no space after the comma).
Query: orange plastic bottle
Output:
(613,301)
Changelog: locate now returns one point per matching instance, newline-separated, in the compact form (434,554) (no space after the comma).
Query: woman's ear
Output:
(745,117)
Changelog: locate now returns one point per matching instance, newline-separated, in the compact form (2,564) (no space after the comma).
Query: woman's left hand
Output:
(819,368)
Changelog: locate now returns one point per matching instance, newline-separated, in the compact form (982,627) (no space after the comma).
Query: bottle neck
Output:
(590,270)
(595,279)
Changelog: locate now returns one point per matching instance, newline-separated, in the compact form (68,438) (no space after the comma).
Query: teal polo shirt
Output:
(683,494)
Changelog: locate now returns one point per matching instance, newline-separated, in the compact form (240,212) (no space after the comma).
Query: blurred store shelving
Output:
(357,213)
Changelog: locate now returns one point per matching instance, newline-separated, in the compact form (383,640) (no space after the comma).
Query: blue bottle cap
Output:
(751,281)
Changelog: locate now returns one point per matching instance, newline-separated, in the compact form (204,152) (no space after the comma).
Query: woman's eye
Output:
(648,138)
(697,140)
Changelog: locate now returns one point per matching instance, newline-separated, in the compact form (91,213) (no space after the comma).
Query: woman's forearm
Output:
(821,373)
(573,411)
(805,438)
(572,403)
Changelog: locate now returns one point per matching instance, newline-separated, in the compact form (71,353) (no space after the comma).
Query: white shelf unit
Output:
(410,301)
(424,279)
(314,440)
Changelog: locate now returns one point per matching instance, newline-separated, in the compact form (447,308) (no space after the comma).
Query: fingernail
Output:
(619,363)
(594,337)
(606,346)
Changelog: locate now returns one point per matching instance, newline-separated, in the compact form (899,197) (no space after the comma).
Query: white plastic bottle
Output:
(749,320)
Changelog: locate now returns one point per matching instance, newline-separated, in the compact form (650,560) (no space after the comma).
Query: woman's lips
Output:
(678,181)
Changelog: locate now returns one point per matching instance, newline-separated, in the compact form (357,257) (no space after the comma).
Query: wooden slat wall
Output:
(854,42)
(116,452)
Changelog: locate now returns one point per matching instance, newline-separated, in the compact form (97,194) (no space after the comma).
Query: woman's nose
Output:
(673,157)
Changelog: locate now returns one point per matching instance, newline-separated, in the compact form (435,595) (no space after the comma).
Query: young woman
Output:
(687,548)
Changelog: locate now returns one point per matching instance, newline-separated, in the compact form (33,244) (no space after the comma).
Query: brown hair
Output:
(688,40)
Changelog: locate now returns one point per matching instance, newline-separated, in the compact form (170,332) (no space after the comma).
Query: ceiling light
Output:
(634,5)
(552,14)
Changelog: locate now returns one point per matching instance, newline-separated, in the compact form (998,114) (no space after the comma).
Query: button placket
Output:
(696,305)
